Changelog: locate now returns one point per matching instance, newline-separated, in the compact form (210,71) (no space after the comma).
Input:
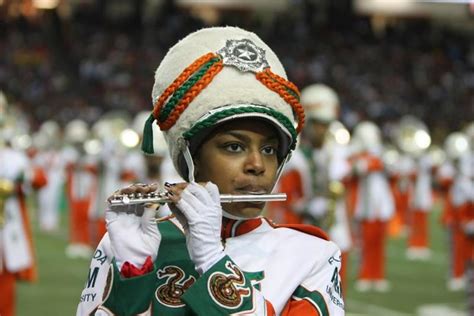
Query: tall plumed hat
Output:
(215,75)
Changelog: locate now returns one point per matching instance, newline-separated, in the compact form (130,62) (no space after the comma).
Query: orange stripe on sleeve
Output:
(299,308)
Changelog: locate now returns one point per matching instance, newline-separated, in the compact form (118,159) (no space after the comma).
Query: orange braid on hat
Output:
(196,77)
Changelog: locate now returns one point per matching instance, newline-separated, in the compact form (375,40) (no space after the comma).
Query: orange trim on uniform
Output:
(270,309)
(307,229)
(39,178)
(128,176)
(7,296)
(233,228)
(31,273)
(419,229)
(299,308)
(373,163)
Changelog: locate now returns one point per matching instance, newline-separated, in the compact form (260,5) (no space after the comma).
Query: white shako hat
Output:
(367,136)
(216,75)
(320,103)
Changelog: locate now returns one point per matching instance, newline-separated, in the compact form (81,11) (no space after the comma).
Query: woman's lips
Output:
(252,189)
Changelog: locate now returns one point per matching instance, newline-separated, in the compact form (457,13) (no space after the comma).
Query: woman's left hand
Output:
(198,209)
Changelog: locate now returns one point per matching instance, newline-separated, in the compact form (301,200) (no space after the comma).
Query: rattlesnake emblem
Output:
(169,294)
(228,290)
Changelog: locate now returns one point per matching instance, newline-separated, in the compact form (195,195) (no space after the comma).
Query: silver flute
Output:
(161,197)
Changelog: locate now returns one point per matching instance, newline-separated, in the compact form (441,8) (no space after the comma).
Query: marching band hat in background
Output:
(320,103)
(367,137)
(215,75)
(76,132)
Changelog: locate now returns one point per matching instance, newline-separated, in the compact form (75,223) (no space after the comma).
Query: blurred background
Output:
(92,62)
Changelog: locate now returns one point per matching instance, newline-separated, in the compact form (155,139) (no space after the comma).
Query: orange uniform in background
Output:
(81,189)
(283,212)
(402,178)
(421,203)
(372,207)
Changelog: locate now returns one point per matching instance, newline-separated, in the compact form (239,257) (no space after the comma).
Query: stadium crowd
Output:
(87,67)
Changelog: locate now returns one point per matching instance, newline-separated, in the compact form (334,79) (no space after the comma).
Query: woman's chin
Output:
(246,210)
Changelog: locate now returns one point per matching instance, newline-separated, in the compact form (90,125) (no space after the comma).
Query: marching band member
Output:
(17,260)
(373,205)
(81,188)
(50,160)
(111,154)
(413,141)
(231,119)
(466,202)
(420,206)
(450,174)
(314,175)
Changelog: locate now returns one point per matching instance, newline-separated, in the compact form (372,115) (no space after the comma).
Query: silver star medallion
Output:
(244,55)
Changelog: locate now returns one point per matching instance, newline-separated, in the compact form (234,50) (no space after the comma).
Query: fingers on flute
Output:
(175,190)
(135,188)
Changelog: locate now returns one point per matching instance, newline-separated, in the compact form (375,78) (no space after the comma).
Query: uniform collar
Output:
(236,227)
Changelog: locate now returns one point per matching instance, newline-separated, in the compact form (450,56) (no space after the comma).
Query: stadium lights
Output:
(45,4)
(448,1)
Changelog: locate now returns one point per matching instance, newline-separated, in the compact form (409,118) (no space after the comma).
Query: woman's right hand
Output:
(132,229)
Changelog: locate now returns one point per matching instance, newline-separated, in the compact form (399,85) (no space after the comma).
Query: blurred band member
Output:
(17,260)
(157,168)
(373,205)
(460,200)
(313,177)
(50,160)
(81,188)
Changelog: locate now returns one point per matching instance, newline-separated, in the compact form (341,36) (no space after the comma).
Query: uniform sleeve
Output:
(107,292)
(91,296)
(225,290)
(320,294)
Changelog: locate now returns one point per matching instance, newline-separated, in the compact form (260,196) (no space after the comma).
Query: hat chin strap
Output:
(280,170)
(189,162)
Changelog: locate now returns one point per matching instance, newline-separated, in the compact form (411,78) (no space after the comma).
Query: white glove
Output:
(317,207)
(201,217)
(133,237)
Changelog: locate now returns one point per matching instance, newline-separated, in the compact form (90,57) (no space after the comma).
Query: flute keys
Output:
(125,199)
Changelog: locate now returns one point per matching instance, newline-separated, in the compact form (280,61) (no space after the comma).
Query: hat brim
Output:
(218,116)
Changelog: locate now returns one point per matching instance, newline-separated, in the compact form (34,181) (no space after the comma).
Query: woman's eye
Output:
(269,150)
(234,148)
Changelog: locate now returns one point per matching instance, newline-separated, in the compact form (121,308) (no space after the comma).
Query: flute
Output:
(162,197)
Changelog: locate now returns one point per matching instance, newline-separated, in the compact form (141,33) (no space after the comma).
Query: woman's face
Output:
(240,157)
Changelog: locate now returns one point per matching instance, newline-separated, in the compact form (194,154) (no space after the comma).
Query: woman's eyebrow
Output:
(246,138)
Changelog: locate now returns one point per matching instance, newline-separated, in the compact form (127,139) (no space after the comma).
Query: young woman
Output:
(231,120)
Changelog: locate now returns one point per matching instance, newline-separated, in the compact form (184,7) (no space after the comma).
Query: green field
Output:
(418,288)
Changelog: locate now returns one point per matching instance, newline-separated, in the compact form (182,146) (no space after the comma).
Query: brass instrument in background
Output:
(335,192)
(412,136)
(7,188)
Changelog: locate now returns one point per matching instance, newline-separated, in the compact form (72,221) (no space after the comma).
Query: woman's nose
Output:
(255,163)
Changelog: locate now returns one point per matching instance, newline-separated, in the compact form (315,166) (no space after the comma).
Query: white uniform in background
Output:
(330,165)
(49,197)
(15,252)
(421,203)
(373,205)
